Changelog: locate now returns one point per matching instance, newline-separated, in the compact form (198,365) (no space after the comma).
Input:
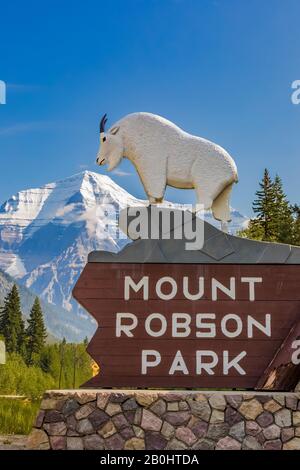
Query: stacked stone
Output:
(157,420)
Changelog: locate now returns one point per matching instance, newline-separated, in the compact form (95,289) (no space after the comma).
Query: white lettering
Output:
(181,321)
(233,363)
(143,283)
(211,327)
(178,365)
(239,325)
(206,366)
(126,329)
(146,362)
(266,329)
(163,328)
(173,284)
(196,296)
(230,291)
(251,281)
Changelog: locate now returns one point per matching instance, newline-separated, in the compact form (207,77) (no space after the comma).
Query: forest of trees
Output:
(32,365)
(276,219)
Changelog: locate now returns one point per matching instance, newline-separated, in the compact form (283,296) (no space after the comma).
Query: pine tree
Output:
(11,322)
(277,219)
(36,332)
(283,214)
(264,206)
(254,231)
(45,361)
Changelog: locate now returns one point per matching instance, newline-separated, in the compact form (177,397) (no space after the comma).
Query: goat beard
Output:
(114,161)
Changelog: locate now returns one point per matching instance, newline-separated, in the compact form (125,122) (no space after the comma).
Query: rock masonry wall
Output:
(177,420)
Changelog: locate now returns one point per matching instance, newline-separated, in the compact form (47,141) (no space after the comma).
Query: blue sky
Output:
(221,69)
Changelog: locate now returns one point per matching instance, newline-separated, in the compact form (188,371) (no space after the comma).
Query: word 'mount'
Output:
(166,287)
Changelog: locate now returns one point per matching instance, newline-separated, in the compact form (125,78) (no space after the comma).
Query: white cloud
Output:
(24,127)
(96,218)
(63,211)
(119,172)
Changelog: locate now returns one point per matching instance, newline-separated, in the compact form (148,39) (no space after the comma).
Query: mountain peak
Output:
(43,203)
(81,175)
(93,187)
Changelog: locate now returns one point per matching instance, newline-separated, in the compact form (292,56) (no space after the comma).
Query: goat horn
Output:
(102,123)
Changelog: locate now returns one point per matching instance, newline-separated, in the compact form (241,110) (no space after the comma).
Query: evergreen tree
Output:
(265,207)
(11,322)
(36,332)
(45,361)
(254,231)
(277,219)
(283,214)
(50,359)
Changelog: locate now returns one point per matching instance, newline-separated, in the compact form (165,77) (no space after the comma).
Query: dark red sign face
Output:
(186,325)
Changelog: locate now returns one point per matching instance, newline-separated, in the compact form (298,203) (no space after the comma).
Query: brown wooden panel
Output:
(170,382)
(280,282)
(100,290)
(276,290)
(283,315)
(112,364)
(167,348)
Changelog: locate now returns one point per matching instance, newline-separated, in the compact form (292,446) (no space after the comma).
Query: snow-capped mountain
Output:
(46,233)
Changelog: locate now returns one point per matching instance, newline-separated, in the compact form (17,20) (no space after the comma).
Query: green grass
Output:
(17,415)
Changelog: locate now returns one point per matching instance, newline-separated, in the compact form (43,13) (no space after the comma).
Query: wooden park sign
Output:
(209,322)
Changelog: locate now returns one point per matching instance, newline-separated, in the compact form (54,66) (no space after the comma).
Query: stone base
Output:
(177,420)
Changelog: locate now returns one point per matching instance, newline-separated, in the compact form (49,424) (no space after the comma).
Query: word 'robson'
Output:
(203,324)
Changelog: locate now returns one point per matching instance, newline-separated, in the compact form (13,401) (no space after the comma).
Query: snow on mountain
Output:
(238,221)
(46,234)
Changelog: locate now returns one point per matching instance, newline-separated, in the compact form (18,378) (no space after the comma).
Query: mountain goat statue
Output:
(163,154)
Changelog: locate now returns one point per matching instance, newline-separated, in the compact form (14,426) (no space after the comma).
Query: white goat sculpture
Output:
(163,154)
